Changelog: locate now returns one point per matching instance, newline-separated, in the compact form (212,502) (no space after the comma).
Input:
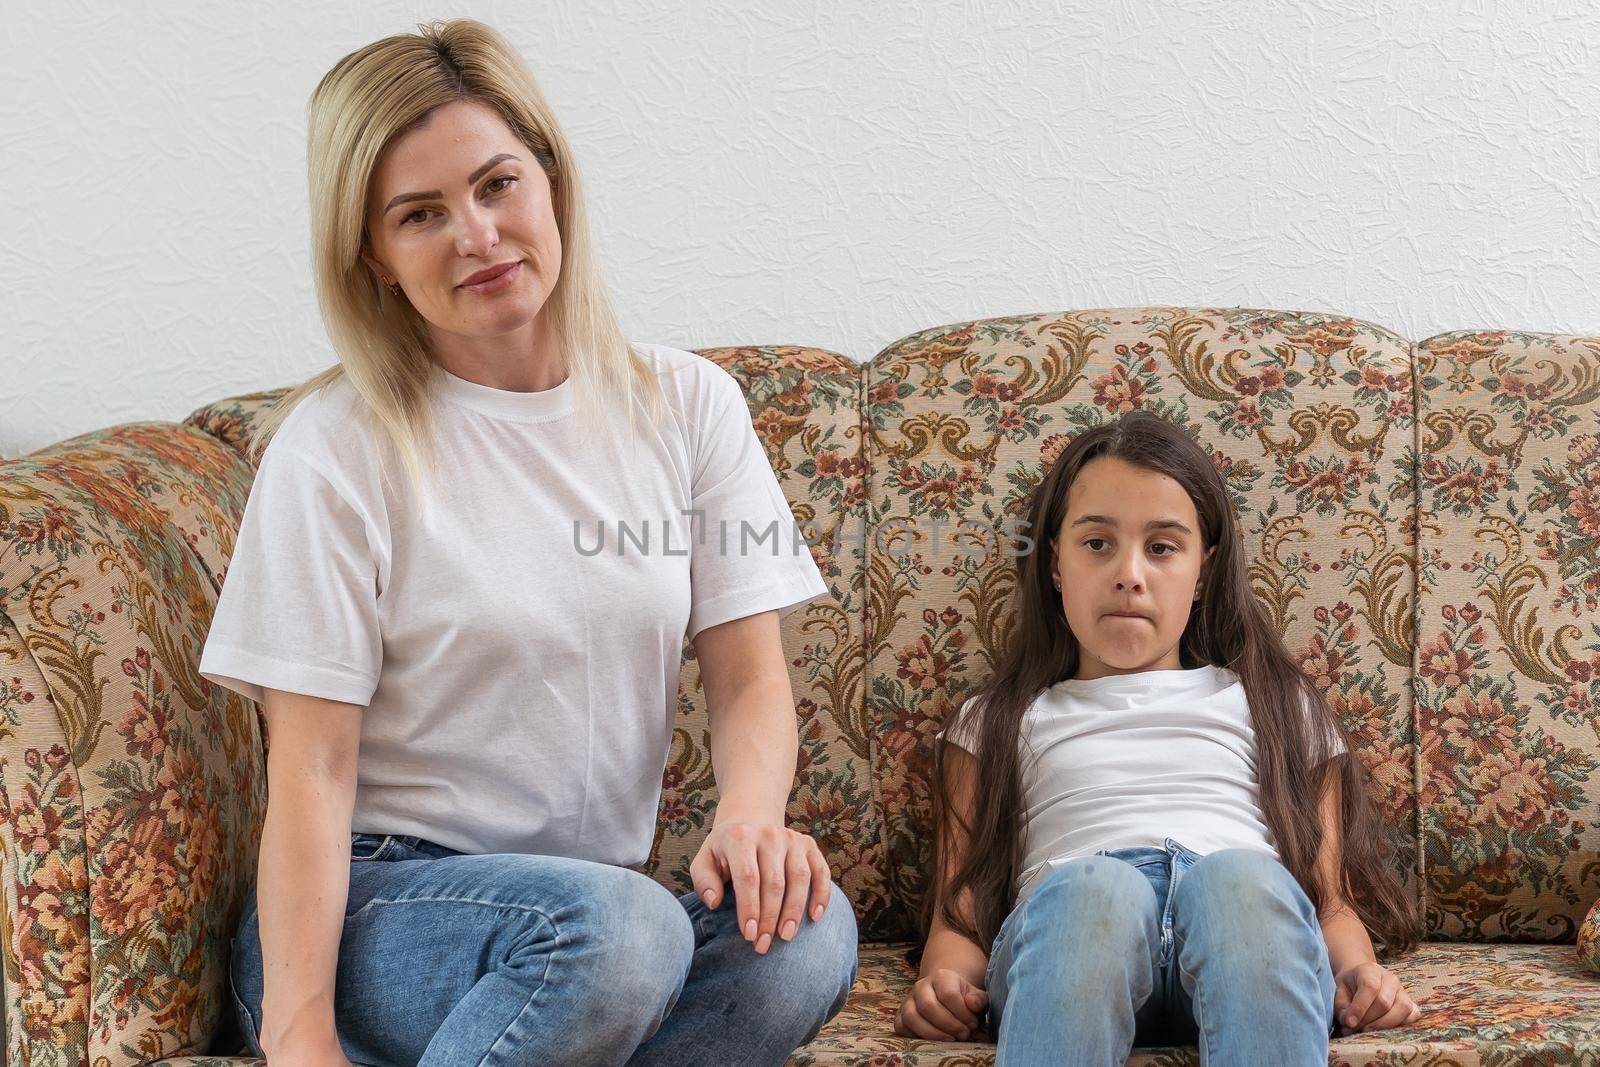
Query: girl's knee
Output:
(1098,906)
(1095,884)
(1246,883)
(1240,908)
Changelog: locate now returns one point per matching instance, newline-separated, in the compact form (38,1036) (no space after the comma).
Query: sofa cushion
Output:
(1482,1004)
(1508,663)
(1307,415)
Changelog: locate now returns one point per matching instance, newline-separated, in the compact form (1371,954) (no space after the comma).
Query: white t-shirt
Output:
(517,644)
(1132,759)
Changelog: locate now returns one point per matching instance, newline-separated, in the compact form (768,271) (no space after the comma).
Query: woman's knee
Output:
(638,937)
(815,971)
(592,927)
(826,962)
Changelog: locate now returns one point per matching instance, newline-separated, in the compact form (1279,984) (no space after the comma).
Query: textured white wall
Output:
(823,172)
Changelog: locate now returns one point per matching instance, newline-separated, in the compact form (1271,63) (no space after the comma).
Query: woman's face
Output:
(455,197)
(1130,542)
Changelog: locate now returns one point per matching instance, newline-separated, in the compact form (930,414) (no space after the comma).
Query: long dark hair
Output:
(1228,628)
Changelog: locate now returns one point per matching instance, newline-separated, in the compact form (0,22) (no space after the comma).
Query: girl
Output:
(1176,845)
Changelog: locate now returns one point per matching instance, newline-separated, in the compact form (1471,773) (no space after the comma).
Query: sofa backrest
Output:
(1424,520)
(1507,673)
(1468,674)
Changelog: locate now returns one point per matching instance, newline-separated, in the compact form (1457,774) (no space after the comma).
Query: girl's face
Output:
(455,197)
(1127,563)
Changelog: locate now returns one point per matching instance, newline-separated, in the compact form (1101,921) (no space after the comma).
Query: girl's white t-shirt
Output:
(515,644)
(1132,759)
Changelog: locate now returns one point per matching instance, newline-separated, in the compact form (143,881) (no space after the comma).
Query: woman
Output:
(460,894)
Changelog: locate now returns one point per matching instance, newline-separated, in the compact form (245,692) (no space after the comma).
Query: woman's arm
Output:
(755,740)
(303,875)
(1367,995)
(755,744)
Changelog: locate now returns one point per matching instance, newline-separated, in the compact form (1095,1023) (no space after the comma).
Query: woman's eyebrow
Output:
(405,198)
(1153,524)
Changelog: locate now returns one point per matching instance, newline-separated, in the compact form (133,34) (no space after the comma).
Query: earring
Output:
(394,287)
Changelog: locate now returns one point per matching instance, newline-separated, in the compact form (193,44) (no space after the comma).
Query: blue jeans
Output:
(451,960)
(1160,946)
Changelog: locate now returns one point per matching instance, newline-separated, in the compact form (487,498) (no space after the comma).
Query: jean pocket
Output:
(371,846)
(1186,857)
(248,1028)
(1140,856)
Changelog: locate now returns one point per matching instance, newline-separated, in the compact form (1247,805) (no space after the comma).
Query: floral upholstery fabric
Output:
(1423,524)
(1499,1005)
(133,790)
(1508,659)
(1589,939)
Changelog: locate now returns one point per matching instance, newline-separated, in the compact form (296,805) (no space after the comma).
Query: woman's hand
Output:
(941,1007)
(773,871)
(1369,997)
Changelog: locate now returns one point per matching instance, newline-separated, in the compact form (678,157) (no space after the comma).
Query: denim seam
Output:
(253,1038)
(532,995)
(497,905)
(1195,1003)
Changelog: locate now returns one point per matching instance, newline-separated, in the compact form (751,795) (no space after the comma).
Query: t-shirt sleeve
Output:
(298,609)
(747,553)
(961,728)
(1336,745)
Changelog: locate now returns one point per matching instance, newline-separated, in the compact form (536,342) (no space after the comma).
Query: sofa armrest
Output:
(133,789)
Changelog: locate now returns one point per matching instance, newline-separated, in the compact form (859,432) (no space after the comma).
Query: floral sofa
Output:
(1425,525)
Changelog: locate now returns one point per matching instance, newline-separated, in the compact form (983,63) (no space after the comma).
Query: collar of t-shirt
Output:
(542,406)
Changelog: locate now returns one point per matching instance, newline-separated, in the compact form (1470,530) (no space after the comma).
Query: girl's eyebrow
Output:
(405,198)
(1153,524)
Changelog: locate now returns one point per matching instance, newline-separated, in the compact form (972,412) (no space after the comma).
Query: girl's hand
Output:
(941,1007)
(773,870)
(1368,997)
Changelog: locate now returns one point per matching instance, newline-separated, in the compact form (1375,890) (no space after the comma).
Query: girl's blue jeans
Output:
(453,960)
(1160,946)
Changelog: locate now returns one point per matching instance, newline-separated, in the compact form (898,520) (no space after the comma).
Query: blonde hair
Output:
(364,103)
